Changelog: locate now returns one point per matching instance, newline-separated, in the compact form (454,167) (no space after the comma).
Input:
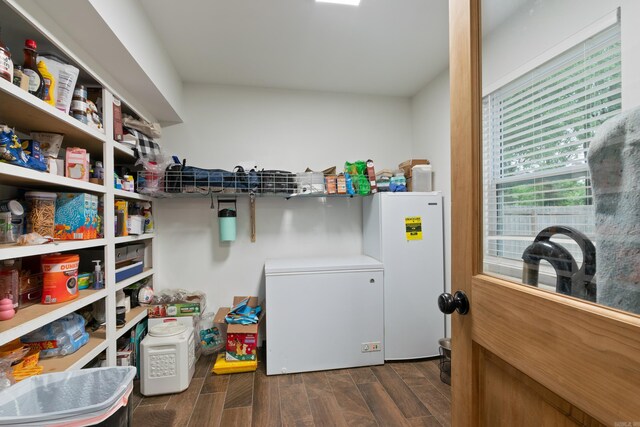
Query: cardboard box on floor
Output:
(242,340)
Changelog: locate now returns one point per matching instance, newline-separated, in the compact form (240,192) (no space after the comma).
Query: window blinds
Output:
(536,134)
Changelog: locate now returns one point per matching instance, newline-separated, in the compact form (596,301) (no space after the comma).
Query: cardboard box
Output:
(117,120)
(408,164)
(77,163)
(242,340)
(74,217)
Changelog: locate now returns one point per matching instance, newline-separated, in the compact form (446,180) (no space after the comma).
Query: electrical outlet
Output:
(368,347)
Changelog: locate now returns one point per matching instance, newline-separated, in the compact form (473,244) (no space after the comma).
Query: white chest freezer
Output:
(323,313)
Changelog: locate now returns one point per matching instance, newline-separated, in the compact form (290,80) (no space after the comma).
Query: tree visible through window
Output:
(537,130)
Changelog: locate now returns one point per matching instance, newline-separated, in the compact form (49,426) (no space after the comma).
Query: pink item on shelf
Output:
(6,309)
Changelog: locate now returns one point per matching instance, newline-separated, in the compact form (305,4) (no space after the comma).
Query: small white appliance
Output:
(405,232)
(167,359)
(323,313)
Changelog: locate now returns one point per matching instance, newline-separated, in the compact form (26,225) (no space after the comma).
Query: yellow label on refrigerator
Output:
(413,227)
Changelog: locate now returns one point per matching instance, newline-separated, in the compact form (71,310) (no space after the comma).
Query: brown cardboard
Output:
(243,337)
(117,120)
(235,328)
(408,164)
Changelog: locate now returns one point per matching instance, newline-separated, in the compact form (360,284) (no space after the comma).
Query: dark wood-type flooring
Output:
(394,394)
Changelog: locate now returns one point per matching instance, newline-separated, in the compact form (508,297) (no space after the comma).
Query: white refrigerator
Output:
(405,232)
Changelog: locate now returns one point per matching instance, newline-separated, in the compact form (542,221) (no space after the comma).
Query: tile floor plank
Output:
(436,402)
(326,412)
(431,371)
(316,384)
(362,375)
(239,391)
(203,365)
(236,417)
(214,383)
(424,422)
(294,405)
(381,405)
(266,401)
(399,392)
(354,409)
(208,410)
(184,403)
(153,416)
(161,399)
(136,396)
(410,374)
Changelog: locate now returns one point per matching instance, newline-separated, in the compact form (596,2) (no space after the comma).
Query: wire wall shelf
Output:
(191,182)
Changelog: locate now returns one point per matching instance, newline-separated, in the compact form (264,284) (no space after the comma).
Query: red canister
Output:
(59,278)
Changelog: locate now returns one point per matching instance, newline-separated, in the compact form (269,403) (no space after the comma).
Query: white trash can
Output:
(167,359)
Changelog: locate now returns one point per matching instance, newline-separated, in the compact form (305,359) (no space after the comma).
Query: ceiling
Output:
(382,47)
(389,47)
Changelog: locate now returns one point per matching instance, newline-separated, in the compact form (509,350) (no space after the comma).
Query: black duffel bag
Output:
(277,181)
(182,178)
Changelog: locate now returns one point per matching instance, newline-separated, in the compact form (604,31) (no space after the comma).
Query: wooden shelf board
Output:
(26,113)
(96,344)
(28,178)
(131,280)
(11,251)
(128,239)
(122,153)
(32,317)
(131,195)
(134,316)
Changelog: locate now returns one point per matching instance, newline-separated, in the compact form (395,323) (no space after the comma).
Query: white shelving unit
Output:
(25,113)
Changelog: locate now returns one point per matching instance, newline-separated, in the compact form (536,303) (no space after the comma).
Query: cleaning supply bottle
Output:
(30,68)
(148,218)
(98,278)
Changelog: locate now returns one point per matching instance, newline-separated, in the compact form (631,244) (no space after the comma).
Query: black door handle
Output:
(448,303)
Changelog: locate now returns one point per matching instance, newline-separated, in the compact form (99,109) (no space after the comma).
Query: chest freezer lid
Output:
(320,264)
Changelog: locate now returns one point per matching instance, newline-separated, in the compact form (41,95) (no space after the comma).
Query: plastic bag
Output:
(151,181)
(212,336)
(11,151)
(60,337)
(65,76)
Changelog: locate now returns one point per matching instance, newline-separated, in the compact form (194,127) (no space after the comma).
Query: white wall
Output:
(431,140)
(129,22)
(541,24)
(281,129)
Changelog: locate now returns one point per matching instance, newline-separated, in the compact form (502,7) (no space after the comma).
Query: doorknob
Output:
(448,303)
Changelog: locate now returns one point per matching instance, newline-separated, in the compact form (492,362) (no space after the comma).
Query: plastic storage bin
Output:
(421,178)
(77,398)
(167,359)
(41,212)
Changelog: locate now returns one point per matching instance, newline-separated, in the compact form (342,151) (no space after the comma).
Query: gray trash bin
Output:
(77,398)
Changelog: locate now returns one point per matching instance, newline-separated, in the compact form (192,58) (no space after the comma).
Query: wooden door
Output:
(522,356)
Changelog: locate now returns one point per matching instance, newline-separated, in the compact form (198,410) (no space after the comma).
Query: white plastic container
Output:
(167,359)
(421,178)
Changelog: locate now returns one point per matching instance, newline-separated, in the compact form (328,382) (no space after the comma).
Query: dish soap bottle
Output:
(30,68)
(98,278)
